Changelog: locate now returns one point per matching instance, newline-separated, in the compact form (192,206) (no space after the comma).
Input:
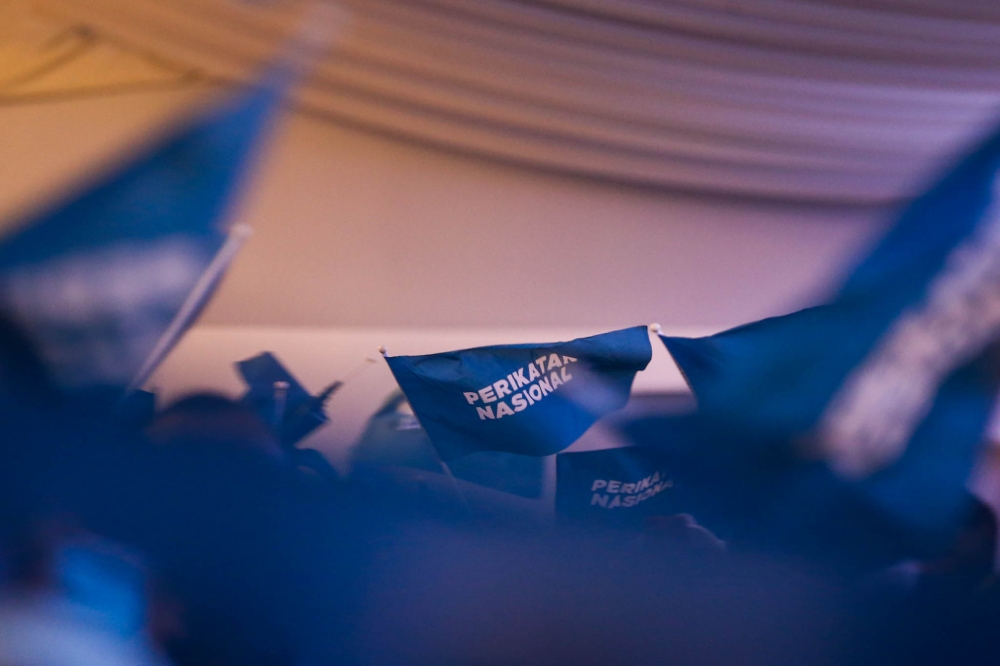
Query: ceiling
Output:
(820,101)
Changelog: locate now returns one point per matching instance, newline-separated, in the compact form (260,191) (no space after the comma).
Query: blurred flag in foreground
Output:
(617,487)
(891,382)
(394,438)
(107,281)
(531,399)
(97,280)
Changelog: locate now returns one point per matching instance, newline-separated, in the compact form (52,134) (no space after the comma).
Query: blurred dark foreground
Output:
(194,539)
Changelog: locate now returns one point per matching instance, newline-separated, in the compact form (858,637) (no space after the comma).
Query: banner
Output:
(531,399)
(613,487)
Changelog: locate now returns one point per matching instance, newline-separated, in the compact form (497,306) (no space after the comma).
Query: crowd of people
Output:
(194,538)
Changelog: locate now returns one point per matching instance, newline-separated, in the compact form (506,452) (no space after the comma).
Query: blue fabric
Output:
(531,399)
(781,372)
(261,373)
(394,437)
(614,487)
(759,496)
(96,279)
(918,310)
(302,413)
(923,492)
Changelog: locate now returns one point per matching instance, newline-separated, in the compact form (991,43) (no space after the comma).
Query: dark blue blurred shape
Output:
(759,496)
(506,472)
(890,383)
(529,399)
(394,438)
(279,398)
(97,278)
(107,581)
(137,408)
(923,493)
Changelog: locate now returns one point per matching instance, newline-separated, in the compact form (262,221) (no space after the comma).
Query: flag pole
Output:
(357,369)
(193,305)
(437,454)
(319,29)
(280,400)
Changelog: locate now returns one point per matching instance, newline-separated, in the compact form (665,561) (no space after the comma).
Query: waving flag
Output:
(281,400)
(106,281)
(97,279)
(532,399)
(892,381)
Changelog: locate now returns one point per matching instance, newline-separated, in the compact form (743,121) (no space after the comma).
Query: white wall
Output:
(356,230)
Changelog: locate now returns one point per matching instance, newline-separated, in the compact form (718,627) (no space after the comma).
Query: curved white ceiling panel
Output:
(833,101)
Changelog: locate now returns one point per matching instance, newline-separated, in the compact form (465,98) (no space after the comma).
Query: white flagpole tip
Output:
(655,328)
(241,231)
(382,350)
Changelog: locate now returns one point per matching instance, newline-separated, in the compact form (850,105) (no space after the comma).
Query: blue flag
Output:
(297,414)
(892,381)
(531,399)
(97,279)
(613,487)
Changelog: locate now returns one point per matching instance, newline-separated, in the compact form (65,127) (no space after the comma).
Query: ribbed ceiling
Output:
(837,101)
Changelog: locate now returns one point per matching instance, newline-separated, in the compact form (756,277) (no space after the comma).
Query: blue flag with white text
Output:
(613,487)
(892,381)
(529,399)
(96,280)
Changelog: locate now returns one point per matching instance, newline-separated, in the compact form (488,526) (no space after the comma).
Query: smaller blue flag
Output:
(261,373)
(530,399)
(613,487)
(293,414)
(137,409)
